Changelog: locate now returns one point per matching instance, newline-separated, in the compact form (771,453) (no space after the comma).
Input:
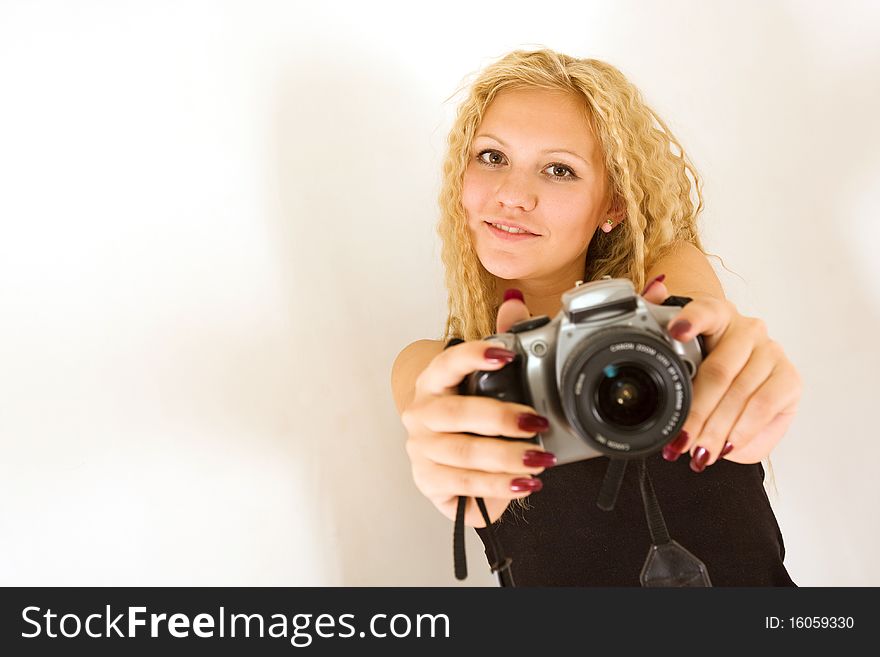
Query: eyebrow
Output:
(545,152)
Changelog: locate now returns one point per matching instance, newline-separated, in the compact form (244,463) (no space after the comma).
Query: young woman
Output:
(557,172)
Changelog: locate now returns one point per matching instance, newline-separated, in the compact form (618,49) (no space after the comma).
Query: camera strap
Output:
(668,563)
(500,565)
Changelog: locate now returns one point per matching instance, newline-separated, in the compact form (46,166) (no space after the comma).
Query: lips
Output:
(510,224)
(506,236)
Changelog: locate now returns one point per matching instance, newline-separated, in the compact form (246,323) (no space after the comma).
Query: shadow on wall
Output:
(834,137)
(353,229)
(818,110)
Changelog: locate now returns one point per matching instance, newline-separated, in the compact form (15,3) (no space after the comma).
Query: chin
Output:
(506,268)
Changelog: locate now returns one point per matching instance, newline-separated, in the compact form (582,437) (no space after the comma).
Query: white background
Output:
(217,231)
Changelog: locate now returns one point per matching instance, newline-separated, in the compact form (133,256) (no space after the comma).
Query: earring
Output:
(607,226)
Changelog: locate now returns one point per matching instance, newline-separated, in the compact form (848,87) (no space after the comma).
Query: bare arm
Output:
(407,366)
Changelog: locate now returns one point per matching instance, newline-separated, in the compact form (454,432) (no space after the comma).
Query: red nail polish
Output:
(513,293)
(670,454)
(656,279)
(680,442)
(699,459)
(727,449)
(499,355)
(531,422)
(526,483)
(679,329)
(673,450)
(535,459)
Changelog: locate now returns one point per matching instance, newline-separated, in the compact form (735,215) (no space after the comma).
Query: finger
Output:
(656,291)
(716,431)
(513,310)
(486,454)
(450,366)
(766,416)
(763,442)
(485,416)
(714,377)
(442,481)
(708,317)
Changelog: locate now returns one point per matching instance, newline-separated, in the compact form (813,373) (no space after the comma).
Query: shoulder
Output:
(408,365)
(418,353)
(682,253)
(688,271)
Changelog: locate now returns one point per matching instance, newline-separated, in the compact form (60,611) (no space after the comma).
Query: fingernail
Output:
(535,459)
(526,483)
(513,293)
(532,422)
(499,355)
(673,450)
(680,329)
(681,441)
(727,449)
(699,459)
(656,279)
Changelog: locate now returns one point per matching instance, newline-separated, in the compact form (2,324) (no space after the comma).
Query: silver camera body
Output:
(604,372)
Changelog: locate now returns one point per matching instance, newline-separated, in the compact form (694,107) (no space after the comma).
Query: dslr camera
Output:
(604,372)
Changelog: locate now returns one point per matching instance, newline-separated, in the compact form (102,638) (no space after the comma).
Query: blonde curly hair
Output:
(650,176)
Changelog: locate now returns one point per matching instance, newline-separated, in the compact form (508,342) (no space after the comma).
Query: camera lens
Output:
(626,396)
(624,391)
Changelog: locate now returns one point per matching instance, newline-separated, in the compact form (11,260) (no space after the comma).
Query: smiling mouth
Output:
(511,230)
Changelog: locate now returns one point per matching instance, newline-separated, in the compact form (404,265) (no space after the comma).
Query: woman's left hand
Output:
(746,391)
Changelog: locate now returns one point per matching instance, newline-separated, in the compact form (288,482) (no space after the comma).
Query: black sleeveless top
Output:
(721,515)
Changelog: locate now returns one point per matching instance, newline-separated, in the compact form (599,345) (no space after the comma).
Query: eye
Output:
(490,157)
(560,171)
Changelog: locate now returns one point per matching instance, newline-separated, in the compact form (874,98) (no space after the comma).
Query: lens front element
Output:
(627,395)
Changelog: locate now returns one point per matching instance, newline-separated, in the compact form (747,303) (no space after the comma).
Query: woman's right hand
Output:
(446,461)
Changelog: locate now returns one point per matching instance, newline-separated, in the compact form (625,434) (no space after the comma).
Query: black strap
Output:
(674,300)
(656,523)
(500,564)
(459,558)
(668,563)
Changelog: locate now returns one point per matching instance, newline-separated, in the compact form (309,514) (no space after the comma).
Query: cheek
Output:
(474,193)
(574,217)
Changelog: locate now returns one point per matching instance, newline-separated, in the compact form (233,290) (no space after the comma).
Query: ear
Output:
(615,215)
(617,211)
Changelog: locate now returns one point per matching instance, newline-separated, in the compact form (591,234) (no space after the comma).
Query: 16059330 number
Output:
(821,622)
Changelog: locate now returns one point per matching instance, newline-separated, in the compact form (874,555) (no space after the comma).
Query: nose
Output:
(515,191)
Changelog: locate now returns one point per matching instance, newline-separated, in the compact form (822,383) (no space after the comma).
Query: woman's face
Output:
(535,167)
